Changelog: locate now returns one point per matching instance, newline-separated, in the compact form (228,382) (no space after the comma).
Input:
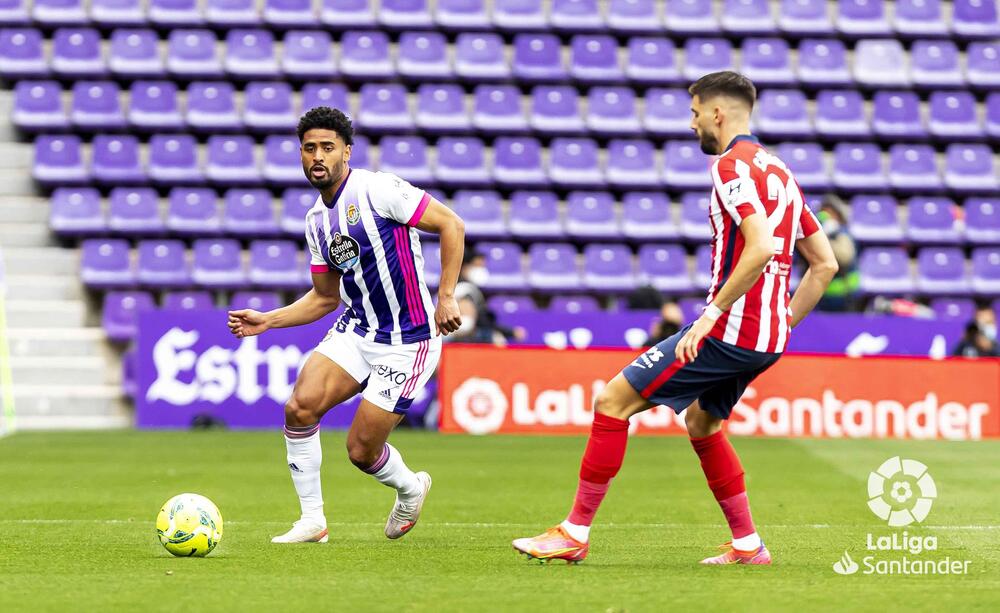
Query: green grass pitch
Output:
(77,512)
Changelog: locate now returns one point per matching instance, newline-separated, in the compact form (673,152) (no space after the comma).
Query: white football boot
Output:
(404,515)
(304,531)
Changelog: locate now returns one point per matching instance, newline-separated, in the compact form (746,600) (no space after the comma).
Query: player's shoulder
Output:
(317,207)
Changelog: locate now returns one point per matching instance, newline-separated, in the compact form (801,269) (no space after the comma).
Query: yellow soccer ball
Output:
(189,525)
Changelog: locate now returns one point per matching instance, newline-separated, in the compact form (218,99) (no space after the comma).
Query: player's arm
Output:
(321,300)
(440,220)
(818,253)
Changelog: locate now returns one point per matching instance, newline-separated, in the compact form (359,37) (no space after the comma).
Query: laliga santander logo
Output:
(901,491)
(479,406)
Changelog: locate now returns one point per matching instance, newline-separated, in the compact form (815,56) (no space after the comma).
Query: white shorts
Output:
(390,375)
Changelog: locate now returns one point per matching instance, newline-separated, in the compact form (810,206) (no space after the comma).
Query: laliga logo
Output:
(479,406)
(901,491)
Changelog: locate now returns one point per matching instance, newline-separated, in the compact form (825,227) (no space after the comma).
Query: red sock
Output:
(601,462)
(725,478)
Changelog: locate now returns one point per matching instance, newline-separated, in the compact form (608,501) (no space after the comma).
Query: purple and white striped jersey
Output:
(367,234)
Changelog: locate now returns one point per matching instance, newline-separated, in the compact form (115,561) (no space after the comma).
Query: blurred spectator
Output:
(839,295)
(643,298)
(975,343)
(670,322)
(986,319)
(479,323)
(901,307)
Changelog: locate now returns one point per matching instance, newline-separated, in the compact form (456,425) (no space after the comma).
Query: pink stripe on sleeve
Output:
(420,210)
(318,268)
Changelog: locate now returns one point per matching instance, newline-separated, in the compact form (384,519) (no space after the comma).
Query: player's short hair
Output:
(725,83)
(325,118)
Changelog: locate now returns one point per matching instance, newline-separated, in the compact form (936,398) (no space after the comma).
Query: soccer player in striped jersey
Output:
(362,236)
(758,217)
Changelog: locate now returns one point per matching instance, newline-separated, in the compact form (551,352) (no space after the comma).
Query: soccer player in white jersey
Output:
(365,250)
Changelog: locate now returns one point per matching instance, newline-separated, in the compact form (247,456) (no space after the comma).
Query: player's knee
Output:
(299,412)
(608,404)
(701,423)
(361,453)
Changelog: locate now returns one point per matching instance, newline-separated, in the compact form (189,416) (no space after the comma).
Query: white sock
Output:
(390,470)
(580,533)
(305,456)
(750,542)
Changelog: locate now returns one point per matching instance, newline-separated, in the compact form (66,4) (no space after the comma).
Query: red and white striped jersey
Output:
(746,180)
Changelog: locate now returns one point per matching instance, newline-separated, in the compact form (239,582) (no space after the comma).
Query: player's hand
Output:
(247,322)
(687,348)
(447,316)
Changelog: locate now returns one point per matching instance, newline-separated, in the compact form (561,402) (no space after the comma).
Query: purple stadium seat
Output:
(804,17)
(462,162)
(153,106)
(250,55)
(38,106)
(571,305)
(432,264)
(575,162)
(634,16)
(359,153)
(232,13)
(685,166)
(705,55)
(885,270)
(767,61)
(823,62)
(970,168)
(22,54)
(992,120)
(748,17)
(517,162)
(632,164)
(274,264)
(173,160)
(783,114)
(345,14)
(954,309)
(982,220)
(535,215)
(652,60)
(106,264)
(135,54)
(594,59)
(174,13)
(441,109)
(504,262)
(932,221)
(576,16)
(841,113)
(874,220)
(95,106)
(975,19)
(667,112)
(282,161)
(191,54)
(193,212)
(503,304)
(247,212)
(218,263)
(703,267)
(860,18)
(76,212)
(117,13)
(896,115)
(612,111)
(134,212)
(59,161)
(983,64)
(647,216)
(694,217)
(115,160)
(458,15)
(808,163)
(423,55)
(941,271)
(537,57)
(258,301)
(211,106)
(591,216)
(308,54)
(553,267)
(556,110)
(120,313)
(365,55)
(608,268)
(333,95)
(480,56)
(482,212)
(76,54)
(881,63)
(691,308)
(188,301)
(268,107)
(952,115)
(296,202)
(913,18)
(53,13)
(986,271)
(162,263)
(231,160)
(498,109)
(913,169)
(665,268)
(858,167)
(519,15)
(405,14)
(384,108)
(406,157)
(935,63)
(289,13)
(689,17)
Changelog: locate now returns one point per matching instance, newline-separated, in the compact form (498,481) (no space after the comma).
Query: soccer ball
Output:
(189,525)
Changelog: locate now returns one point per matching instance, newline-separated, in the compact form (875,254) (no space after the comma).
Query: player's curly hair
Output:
(725,83)
(325,118)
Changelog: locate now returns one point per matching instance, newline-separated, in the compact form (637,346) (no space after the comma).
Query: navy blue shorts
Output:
(716,378)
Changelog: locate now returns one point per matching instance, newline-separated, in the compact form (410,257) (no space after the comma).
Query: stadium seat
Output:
(518,163)
(38,107)
(250,54)
(860,18)
(804,18)
(217,264)
(935,64)
(553,267)
(874,219)
(748,17)
(841,114)
(134,212)
(608,268)
(667,112)
(690,17)
(461,162)
(76,212)
(106,264)
(591,215)
(982,220)
(975,19)
(120,313)
(634,16)
(519,15)
(652,61)
(952,115)
(174,13)
(406,157)
(59,161)
(912,18)
(115,160)
(333,95)
(498,110)
(632,164)
(594,59)
(664,266)
(231,161)
(191,54)
(703,267)
(808,164)
(117,13)
(188,301)
(611,111)
(258,301)
(193,212)
(296,202)
(575,163)
(576,16)
(933,221)
(232,13)
(400,14)
(970,169)
(555,110)
(573,305)
(54,13)
(135,54)
(647,216)
(95,106)
(954,309)
(505,266)
(274,264)
(982,64)
(248,213)
(537,57)
(685,166)
(307,54)
(282,161)
(767,61)
(22,54)
(896,116)
(153,105)
(913,169)
(384,108)
(365,55)
(162,264)
(535,215)
(783,114)
(281,14)
(823,63)
(423,55)
(441,109)
(705,55)
(457,15)
(885,271)
(359,153)
(941,271)
(858,167)
(694,217)
(479,56)
(881,63)
(502,304)
(345,14)
(268,107)
(992,119)
(432,264)
(986,271)
(482,212)
(76,54)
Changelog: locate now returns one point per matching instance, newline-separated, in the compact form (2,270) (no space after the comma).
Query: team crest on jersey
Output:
(353,214)
(345,252)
